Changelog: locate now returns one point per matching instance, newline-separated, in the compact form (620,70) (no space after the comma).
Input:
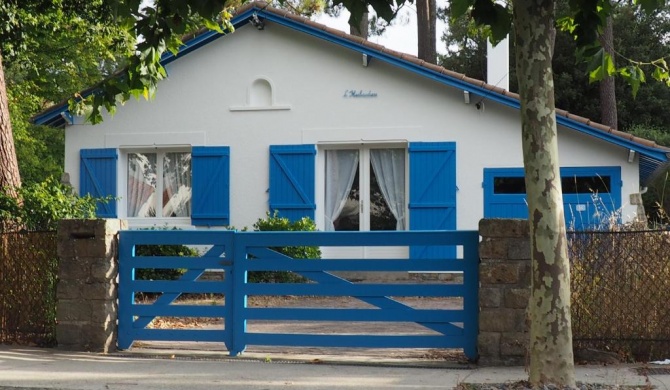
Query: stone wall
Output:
(87,286)
(504,275)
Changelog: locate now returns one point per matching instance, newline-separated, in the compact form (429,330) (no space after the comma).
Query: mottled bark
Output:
(363,28)
(9,167)
(426,19)
(608,109)
(551,359)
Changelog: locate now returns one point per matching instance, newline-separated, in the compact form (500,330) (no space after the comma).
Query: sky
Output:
(400,36)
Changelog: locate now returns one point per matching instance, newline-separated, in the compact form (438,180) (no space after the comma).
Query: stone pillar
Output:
(504,275)
(87,286)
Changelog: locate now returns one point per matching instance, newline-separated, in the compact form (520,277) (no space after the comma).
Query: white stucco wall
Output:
(199,105)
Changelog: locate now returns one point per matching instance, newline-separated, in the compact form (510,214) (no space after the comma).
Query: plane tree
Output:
(533,25)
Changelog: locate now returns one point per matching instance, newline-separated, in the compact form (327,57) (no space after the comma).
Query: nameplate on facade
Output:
(353,93)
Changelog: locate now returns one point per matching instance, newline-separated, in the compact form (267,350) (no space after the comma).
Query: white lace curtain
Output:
(177,185)
(141,184)
(389,167)
(341,166)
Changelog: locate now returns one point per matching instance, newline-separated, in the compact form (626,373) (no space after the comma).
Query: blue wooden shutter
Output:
(97,177)
(210,167)
(432,193)
(292,180)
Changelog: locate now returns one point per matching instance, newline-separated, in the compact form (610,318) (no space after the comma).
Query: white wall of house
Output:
(203,101)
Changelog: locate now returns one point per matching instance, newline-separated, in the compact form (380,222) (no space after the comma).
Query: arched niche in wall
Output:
(260,97)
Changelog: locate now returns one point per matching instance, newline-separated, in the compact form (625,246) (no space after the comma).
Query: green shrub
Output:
(162,250)
(39,206)
(276,223)
(654,133)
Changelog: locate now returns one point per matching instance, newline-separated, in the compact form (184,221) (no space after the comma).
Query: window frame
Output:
(364,178)
(584,200)
(122,202)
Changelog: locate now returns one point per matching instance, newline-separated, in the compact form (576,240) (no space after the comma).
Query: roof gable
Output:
(652,155)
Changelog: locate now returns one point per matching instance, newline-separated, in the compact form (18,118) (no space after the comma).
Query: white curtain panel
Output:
(389,167)
(341,167)
(177,185)
(141,184)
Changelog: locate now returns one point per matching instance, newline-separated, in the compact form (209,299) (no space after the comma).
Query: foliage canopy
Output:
(40,206)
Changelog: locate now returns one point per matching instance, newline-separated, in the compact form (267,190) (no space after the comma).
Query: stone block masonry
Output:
(87,286)
(504,275)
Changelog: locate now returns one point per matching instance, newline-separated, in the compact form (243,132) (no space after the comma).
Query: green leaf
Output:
(588,19)
(496,16)
(661,74)
(649,6)
(634,76)
(566,24)
(212,25)
(601,66)
(382,8)
(503,23)
(460,7)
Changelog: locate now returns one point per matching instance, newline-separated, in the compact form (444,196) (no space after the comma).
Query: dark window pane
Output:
(349,218)
(509,185)
(571,185)
(381,217)
(586,184)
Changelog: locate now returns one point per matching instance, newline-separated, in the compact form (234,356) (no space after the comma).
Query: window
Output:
(365,189)
(159,184)
(570,184)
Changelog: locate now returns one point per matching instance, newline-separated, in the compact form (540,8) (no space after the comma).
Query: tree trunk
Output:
(9,168)
(426,19)
(363,28)
(608,109)
(551,359)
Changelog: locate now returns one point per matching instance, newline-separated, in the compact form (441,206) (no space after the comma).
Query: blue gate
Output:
(237,253)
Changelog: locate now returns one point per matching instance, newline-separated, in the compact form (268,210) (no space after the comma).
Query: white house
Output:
(290,115)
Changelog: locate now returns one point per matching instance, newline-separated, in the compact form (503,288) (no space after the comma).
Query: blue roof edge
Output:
(59,115)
